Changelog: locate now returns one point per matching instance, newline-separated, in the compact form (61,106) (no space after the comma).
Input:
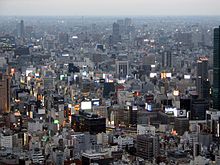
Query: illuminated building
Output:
(4,94)
(7,43)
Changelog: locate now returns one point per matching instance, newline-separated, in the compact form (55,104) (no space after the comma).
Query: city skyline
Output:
(109,8)
(109,82)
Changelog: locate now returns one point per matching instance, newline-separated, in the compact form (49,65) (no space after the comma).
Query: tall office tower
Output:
(181,125)
(20,29)
(127,24)
(122,69)
(133,115)
(216,70)
(202,83)
(4,94)
(198,109)
(147,62)
(121,24)
(185,38)
(116,37)
(148,146)
(63,38)
(167,60)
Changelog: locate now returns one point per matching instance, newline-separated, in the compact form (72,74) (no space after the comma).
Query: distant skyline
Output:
(109,7)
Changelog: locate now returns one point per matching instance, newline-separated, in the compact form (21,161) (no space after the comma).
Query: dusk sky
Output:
(109,7)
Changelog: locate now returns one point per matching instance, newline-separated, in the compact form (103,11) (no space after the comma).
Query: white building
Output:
(102,138)
(7,141)
(35,126)
(123,141)
(145,129)
(2,61)
(199,160)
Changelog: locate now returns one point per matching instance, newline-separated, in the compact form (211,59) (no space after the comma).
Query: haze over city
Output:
(109,82)
(109,7)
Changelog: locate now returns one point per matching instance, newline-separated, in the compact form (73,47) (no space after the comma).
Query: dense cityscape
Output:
(109,90)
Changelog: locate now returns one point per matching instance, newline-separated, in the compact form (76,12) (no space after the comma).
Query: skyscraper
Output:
(116,33)
(202,83)
(63,38)
(121,24)
(167,59)
(20,29)
(122,68)
(216,69)
(4,94)
(148,146)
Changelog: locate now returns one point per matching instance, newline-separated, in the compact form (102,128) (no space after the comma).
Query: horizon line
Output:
(137,15)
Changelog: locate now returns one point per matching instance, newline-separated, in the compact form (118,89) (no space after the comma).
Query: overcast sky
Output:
(109,7)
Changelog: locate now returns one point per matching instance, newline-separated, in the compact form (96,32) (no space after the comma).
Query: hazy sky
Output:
(109,7)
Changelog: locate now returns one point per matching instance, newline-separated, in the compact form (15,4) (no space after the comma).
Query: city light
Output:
(132,82)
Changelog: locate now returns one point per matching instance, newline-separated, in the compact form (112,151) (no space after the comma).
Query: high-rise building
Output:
(202,83)
(122,69)
(29,31)
(92,123)
(216,70)
(20,29)
(185,38)
(63,38)
(202,67)
(116,37)
(121,24)
(167,60)
(4,94)
(128,22)
(148,146)
(133,115)
(181,125)
(198,109)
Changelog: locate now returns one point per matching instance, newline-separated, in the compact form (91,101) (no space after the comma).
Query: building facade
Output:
(4,94)
(216,70)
